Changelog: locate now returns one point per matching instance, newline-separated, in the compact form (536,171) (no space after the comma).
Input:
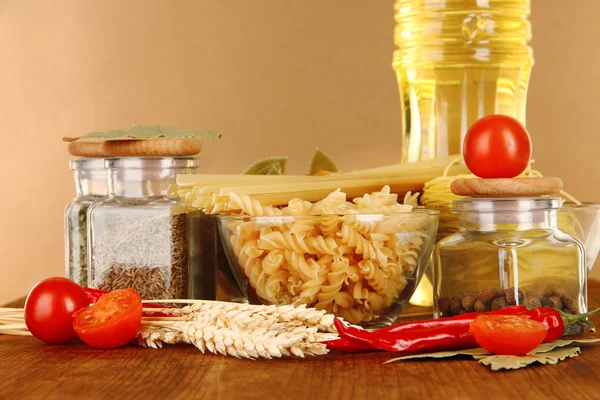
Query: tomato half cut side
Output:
(113,321)
(508,334)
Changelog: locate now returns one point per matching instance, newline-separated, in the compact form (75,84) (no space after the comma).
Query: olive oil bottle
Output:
(456,61)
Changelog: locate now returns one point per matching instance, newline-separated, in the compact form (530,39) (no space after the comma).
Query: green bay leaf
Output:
(321,162)
(267,166)
(141,132)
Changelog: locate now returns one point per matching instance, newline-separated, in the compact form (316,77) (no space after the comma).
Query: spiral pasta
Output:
(352,259)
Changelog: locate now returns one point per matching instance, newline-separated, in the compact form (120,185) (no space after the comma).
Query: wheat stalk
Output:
(15,332)
(236,312)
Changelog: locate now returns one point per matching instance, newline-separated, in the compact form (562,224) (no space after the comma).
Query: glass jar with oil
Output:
(508,252)
(457,61)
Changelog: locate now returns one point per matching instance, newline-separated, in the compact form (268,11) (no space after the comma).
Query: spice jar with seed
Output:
(138,235)
(90,185)
(508,251)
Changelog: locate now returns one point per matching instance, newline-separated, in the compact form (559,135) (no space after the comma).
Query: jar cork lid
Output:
(140,141)
(507,187)
(160,147)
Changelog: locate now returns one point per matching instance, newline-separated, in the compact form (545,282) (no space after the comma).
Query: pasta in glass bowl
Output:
(361,266)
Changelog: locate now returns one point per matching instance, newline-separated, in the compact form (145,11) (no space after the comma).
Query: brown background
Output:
(275,77)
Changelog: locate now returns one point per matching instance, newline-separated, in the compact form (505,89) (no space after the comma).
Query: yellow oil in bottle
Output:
(456,61)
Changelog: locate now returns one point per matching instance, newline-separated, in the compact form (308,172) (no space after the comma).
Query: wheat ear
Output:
(262,342)
(291,314)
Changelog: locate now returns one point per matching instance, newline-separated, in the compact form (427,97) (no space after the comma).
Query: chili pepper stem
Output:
(573,319)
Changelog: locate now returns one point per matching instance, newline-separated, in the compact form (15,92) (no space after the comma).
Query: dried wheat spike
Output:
(265,343)
(273,339)
(289,314)
(154,337)
(237,319)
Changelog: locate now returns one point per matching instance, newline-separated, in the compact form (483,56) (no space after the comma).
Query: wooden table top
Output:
(29,369)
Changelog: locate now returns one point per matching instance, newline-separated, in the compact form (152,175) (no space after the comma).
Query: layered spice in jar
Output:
(508,252)
(138,235)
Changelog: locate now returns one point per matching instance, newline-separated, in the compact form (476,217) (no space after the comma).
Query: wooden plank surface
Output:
(29,369)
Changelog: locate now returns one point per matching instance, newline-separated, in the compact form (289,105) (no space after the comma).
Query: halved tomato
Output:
(508,334)
(111,322)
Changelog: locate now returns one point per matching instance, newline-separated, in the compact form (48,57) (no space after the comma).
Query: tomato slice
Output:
(508,334)
(113,321)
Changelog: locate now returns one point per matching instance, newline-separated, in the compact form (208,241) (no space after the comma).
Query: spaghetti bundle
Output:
(215,194)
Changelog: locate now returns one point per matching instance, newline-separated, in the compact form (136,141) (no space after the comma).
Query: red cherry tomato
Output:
(113,321)
(497,146)
(508,334)
(49,308)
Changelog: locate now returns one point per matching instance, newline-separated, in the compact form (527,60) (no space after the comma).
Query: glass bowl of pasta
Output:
(359,261)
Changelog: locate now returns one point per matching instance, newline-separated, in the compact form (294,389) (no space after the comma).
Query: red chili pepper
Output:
(94,294)
(452,333)
(347,346)
(411,341)
(458,325)
(558,323)
(466,318)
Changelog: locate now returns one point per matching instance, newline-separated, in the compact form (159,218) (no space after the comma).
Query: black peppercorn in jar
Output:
(508,251)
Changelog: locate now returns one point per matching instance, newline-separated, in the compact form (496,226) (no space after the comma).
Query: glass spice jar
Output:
(90,185)
(139,235)
(506,252)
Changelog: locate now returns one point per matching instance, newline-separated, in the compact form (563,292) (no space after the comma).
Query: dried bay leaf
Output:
(267,166)
(544,347)
(320,163)
(515,362)
(546,353)
(478,352)
(141,132)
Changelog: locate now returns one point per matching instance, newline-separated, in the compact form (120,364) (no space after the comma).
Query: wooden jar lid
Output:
(507,187)
(152,147)
(160,147)
(86,149)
